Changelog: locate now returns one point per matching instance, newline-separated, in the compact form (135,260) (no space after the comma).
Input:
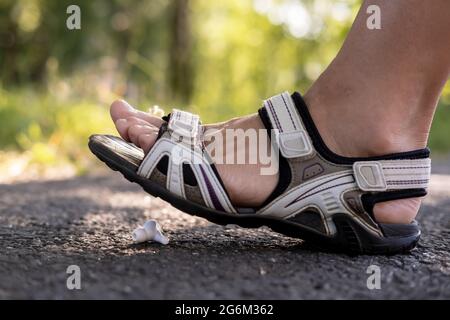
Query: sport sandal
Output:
(321,197)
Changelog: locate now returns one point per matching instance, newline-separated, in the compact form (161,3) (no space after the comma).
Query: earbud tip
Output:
(139,235)
(161,238)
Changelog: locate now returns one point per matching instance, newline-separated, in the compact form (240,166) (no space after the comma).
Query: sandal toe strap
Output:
(187,160)
(184,126)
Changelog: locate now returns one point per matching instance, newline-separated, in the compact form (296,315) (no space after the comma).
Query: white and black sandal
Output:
(321,197)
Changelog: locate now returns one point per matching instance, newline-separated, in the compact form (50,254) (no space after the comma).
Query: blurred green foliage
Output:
(218,58)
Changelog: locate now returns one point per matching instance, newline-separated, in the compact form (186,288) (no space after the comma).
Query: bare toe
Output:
(136,130)
(120,109)
(122,128)
(147,140)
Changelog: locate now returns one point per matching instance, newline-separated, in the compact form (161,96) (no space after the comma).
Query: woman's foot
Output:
(244,183)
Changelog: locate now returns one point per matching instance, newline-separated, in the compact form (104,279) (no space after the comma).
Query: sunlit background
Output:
(216,58)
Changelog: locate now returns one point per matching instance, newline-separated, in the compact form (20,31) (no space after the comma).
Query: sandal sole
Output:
(350,238)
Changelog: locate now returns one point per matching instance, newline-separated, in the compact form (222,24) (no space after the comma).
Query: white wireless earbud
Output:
(150,231)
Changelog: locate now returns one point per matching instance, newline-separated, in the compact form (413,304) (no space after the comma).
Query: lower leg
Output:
(379,94)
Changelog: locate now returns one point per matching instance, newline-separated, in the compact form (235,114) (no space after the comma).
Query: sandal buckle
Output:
(369,175)
(294,144)
(184,126)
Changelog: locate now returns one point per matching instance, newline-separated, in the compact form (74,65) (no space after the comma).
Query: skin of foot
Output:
(244,183)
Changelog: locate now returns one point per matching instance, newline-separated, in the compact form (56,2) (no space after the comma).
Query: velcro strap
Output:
(291,136)
(392,174)
(184,125)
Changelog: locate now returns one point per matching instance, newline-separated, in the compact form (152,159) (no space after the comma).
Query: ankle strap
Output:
(291,136)
(371,174)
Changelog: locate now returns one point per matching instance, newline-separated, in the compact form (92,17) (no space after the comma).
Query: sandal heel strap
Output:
(386,175)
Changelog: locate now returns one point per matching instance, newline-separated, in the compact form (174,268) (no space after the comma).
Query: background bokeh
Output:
(217,58)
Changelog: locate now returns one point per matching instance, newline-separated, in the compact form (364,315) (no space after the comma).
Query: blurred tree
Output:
(180,53)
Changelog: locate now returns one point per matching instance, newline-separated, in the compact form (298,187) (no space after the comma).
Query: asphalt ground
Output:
(46,226)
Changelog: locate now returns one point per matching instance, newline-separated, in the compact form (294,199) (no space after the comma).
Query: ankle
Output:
(352,128)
